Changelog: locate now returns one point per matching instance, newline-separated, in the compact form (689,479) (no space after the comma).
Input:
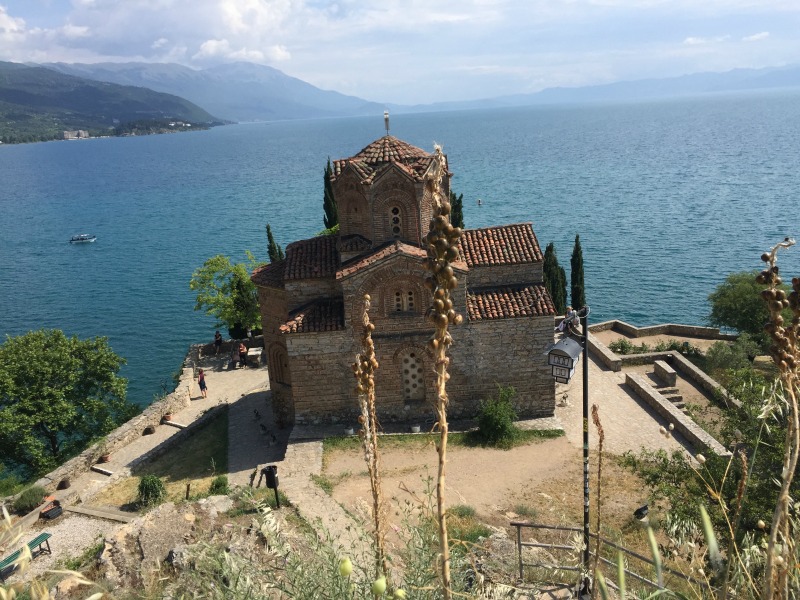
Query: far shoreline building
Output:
(312,301)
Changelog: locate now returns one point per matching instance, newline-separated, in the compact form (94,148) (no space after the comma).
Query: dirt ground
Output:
(542,482)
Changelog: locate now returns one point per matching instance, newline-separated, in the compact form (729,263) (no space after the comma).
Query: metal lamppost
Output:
(562,357)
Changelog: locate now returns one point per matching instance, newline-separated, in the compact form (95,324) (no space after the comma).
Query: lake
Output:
(668,197)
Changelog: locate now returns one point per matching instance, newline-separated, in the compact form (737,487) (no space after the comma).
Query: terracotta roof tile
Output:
(388,149)
(317,316)
(508,302)
(379,254)
(354,243)
(270,275)
(312,259)
(502,245)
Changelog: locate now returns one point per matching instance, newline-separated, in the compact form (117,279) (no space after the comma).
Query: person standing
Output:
(217,342)
(201,380)
(243,354)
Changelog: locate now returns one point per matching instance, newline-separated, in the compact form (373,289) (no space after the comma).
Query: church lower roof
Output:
(508,302)
(501,245)
(313,258)
(317,316)
(270,275)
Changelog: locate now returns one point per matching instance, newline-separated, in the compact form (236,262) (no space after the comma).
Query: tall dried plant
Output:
(602,437)
(442,243)
(364,370)
(785,352)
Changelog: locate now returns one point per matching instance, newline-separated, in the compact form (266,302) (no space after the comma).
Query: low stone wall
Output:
(125,433)
(694,434)
(708,333)
(604,353)
(680,363)
(675,359)
(666,373)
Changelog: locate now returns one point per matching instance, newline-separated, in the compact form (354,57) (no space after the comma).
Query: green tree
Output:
(555,279)
(57,393)
(576,290)
(329,201)
(736,303)
(225,292)
(273,248)
(457,209)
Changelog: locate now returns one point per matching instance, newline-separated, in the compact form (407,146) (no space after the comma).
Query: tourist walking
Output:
(217,342)
(201,380)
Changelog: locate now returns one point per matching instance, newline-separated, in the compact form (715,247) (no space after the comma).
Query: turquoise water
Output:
(667,197)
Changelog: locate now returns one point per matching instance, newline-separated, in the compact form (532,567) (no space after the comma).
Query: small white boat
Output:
(82,238)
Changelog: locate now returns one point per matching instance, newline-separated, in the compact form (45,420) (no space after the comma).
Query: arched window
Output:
(404,301)
(412,377)
(396,221)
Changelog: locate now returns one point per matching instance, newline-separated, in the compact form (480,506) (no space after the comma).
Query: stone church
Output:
(312,302)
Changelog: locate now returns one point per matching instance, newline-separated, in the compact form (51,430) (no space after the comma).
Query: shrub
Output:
(151,491)
(463,511)
(29,499)
(496,418)
(219,486)
(621,346)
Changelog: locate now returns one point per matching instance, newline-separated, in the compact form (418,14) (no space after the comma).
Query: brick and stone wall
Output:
(303,291)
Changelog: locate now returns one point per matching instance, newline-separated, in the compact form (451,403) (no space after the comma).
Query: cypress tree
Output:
(273,249)
(555,279)
(331,218)
(576,289)
(457,209)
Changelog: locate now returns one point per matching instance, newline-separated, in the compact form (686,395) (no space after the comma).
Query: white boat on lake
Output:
(82,238)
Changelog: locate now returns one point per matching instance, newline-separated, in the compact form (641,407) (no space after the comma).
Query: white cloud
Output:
(9,24)
(756,37)
(221,49)
(697,41)
(159,43)
(73,32)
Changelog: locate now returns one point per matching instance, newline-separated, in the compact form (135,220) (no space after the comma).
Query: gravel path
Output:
(71,536)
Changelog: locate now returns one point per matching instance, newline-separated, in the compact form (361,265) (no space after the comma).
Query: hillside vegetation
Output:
(39,104)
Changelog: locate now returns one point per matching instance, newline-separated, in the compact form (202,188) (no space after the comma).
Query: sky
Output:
(415,51)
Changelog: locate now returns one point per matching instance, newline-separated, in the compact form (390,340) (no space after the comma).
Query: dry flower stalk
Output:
(602,437)
(364,370)
(785,352)
(442,243)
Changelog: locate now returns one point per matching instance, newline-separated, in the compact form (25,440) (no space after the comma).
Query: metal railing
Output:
(576,567)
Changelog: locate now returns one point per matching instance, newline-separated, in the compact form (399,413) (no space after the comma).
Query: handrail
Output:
(520,544)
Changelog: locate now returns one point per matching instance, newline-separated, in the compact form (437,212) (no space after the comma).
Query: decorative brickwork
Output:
(311,304)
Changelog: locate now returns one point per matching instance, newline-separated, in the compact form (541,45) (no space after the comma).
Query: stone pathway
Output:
(628,422)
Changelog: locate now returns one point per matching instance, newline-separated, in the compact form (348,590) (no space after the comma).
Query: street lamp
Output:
(562,357)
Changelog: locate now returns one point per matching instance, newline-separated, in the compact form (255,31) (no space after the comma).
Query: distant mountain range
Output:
(237,91)
(251,92)
(37,103)
(60,95)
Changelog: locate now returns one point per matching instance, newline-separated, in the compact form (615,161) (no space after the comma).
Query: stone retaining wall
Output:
(125,433)
(694,434)
(709,333)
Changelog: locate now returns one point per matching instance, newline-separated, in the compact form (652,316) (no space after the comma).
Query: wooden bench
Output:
(37,546)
